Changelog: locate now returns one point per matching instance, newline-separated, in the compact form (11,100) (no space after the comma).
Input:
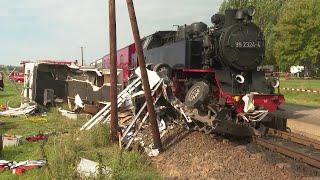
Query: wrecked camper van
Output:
(51,83)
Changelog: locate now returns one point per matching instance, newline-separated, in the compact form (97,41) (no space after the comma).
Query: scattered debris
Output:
(91,109)
(11,140)
(132,119)
(23,110)
(21,167)
(87,168)
(162,125)
(72,115)
(104,113)
(78,102)
(152,152)
(125,116)
(4,164)
(68,114)
(3,107)
(38,137)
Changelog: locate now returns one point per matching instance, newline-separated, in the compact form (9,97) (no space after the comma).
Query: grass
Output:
(301,83)
(301,98)
(305,99)
(63,151)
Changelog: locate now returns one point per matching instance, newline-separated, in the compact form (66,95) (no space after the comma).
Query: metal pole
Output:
(82,55)
(144,75)
(113,70)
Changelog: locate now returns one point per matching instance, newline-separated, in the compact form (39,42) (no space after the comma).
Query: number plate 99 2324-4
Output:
(248,44)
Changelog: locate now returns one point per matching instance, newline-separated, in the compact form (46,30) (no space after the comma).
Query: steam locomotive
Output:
(213,71)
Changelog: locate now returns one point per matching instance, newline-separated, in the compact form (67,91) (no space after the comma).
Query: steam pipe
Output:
(144,75)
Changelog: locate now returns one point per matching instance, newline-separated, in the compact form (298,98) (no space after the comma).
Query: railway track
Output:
(293,145)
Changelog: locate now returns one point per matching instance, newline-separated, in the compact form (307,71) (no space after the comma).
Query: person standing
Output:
(1,82)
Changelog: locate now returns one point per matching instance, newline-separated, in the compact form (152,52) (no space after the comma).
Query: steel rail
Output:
(297,138)
(290,152)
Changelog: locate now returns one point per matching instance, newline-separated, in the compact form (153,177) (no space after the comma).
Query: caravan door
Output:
(29,81)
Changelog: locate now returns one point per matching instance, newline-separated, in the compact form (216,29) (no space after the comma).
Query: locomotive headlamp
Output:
(250,10)
(240,79)
(275,83)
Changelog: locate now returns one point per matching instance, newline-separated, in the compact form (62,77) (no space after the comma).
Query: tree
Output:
(298,33)
(226,4)
(266,17)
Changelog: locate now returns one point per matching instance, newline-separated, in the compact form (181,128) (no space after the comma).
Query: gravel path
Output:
(199,156)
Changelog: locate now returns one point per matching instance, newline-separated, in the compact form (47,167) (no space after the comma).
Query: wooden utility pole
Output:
(113,70)
(144,76)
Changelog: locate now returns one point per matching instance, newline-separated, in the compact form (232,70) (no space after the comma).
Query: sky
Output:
(56,29)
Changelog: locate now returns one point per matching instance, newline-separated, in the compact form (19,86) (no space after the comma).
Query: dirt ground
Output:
(303,120)
(308,115)
(196,155)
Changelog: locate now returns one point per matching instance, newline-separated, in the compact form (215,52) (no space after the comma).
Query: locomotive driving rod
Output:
(113,70)
(144,76)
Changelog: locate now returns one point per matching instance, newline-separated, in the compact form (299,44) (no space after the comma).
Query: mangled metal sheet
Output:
(88,91)
(24,110)
(104,115)
(153,77)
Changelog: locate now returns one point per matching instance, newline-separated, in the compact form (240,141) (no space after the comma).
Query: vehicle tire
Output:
(163,70)
(197,94)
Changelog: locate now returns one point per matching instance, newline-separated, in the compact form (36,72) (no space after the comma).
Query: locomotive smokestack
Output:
(245,13)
